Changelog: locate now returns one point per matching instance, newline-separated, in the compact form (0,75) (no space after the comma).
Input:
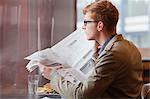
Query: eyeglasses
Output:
(85,22)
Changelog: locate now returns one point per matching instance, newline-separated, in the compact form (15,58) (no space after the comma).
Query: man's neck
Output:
(104,36)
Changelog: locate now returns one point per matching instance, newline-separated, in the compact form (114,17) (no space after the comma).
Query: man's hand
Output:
(47,71)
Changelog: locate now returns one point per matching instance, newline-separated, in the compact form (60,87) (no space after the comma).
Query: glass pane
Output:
(80,5)
(134,21)
(18,38)
(13,47)
(25,27)
(137,7)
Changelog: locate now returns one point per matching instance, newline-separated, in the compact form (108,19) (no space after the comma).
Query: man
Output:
(117,71)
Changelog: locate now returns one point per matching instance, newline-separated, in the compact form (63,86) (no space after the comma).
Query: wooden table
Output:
(29,96)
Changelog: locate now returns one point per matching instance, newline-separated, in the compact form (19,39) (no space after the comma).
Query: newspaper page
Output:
(74,51)
(73,75)
(46,57)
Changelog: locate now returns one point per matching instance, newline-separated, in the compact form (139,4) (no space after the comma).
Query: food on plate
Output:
(47,88)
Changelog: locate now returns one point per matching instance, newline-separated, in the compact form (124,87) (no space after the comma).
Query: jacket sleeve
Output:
(102,76)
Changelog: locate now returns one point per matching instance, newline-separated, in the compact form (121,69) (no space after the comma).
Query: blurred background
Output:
(27,26)
(134,21)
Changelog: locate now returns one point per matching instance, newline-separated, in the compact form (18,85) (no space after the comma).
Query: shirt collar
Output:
(104,45)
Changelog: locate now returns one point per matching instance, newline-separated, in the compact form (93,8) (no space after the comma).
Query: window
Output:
(134,22)
(80,5)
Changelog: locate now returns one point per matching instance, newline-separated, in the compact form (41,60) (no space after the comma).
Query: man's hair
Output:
(104,11)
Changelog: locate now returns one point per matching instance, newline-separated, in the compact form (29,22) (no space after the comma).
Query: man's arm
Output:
(100,79)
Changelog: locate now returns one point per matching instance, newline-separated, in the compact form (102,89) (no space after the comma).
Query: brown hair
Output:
(105,11)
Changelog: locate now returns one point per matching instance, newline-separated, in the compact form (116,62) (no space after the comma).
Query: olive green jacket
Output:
(117,73)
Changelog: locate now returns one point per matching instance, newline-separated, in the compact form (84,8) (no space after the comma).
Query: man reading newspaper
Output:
(70,52)
(117,73)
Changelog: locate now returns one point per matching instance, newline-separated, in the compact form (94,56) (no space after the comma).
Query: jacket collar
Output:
(110,44)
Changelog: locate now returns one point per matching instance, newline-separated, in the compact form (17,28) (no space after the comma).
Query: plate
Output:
(50,95)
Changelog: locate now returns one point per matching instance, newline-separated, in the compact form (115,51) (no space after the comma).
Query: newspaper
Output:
(74,51)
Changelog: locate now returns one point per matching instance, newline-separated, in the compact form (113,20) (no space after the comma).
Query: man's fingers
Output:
(59,67)
(42,68)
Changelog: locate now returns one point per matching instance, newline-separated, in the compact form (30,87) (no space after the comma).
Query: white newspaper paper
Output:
(73,51)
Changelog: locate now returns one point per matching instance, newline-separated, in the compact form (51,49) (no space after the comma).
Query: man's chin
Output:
(89,39)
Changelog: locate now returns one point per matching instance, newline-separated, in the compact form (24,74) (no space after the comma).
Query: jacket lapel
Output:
(111,43)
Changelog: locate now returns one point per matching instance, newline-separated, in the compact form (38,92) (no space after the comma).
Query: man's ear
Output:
(100,26)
